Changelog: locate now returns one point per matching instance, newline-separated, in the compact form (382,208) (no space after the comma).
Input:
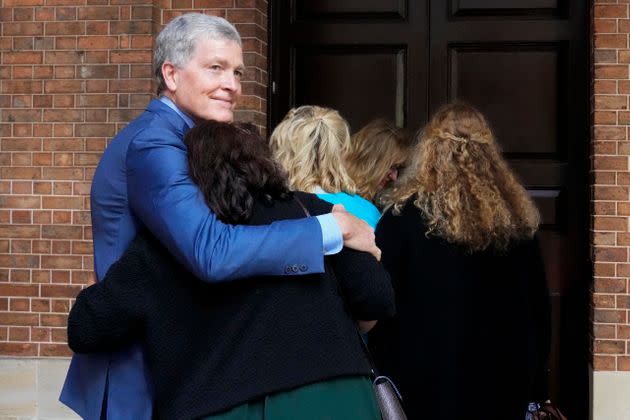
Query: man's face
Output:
(209,85)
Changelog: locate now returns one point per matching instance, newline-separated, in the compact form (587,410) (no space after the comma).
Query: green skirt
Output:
(349,398)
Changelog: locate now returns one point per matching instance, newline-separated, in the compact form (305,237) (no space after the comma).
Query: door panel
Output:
(523,63)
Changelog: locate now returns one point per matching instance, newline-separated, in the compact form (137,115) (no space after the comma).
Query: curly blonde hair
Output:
(462,185)
(374,150)
(310,143)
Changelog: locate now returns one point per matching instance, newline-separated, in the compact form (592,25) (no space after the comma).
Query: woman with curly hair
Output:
(261,347)
(376,155)
(312,143)
(471,335)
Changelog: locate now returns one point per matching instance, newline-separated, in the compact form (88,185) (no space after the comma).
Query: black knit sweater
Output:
(211,347)
(471,335)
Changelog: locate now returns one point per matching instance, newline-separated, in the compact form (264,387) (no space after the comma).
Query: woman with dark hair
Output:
(267,347)
(471,335)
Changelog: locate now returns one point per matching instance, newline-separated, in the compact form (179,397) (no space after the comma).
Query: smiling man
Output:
(142,182)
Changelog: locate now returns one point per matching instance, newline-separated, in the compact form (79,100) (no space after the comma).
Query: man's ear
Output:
(169,73)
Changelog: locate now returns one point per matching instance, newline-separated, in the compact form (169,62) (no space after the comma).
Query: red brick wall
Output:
(73,73)
(611,178)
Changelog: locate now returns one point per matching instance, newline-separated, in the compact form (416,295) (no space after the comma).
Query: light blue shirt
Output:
(354,204)
(331,232)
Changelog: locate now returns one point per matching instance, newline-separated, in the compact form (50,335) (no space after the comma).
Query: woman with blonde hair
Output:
(312,143)
(376,155)
(471,334)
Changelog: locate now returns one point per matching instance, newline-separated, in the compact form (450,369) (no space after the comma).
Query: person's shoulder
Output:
(315,205)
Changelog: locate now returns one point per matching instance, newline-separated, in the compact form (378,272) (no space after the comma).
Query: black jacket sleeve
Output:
(540,303)
(363,282)
(110,314)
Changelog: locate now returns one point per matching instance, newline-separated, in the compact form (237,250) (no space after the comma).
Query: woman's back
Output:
(214,346)
(467,328)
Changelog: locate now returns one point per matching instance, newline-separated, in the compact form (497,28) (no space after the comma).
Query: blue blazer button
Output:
(303,268)
(287,269)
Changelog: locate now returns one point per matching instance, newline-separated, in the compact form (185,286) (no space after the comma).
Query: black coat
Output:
(471,335)
(211,347)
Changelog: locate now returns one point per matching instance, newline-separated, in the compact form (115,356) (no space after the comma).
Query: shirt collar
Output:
(169,102)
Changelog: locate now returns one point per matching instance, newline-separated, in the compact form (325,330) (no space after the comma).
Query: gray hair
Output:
(177,41)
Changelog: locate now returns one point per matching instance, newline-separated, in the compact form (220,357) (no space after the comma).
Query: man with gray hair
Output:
(142,182)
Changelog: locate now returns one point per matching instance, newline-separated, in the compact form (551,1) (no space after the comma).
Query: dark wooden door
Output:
(524,63)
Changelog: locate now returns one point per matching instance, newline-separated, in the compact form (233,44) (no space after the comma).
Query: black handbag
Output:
(386,393)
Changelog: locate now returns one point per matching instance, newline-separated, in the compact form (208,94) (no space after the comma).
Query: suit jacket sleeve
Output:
(166,200)
(110,314)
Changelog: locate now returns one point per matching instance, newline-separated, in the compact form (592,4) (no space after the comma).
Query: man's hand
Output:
(356,233)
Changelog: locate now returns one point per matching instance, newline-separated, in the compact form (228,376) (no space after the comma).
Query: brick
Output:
(138,57)
(131,27)
(623,332)
(97,72)
(64,86)
(19,231)
(65,232)
(19,202)
(610,193)
(39,334)
(66,43)
(66,13)
(63,115)
(64,28)
(62,101)
(19,334)
(20,173)
(41,247)
(604,363)
(50,320)
(609,346)
(96,116)
(22,115)
(22,144)
(60,173)
(610,102)
(610,11)
(60,276)
(609,285)
(97,100)
(81,218)
(623,270)
(59,335)
(604,301)
(142,42)
(91,42)
(623,209)
(144,86)
(19,261)
(62,305)
(59,145)
(58,290)
(623,363)
(18,349)
(605,331)
(54,350)
(99,13)
(95,130)
(609,316)
(20,319)
(20,276)
(608,133)
(64,72)
(61,261)
(20,57)
(22,28)
(61,188)
(610,117)
(42,187)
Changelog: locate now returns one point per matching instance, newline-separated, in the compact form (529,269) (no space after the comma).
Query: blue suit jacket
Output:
(142,180)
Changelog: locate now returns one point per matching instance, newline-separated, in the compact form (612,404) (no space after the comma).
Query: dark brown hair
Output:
(232,165)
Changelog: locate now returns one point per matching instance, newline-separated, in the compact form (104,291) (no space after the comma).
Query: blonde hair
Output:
(463,186)
(374,149)
(310,143)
